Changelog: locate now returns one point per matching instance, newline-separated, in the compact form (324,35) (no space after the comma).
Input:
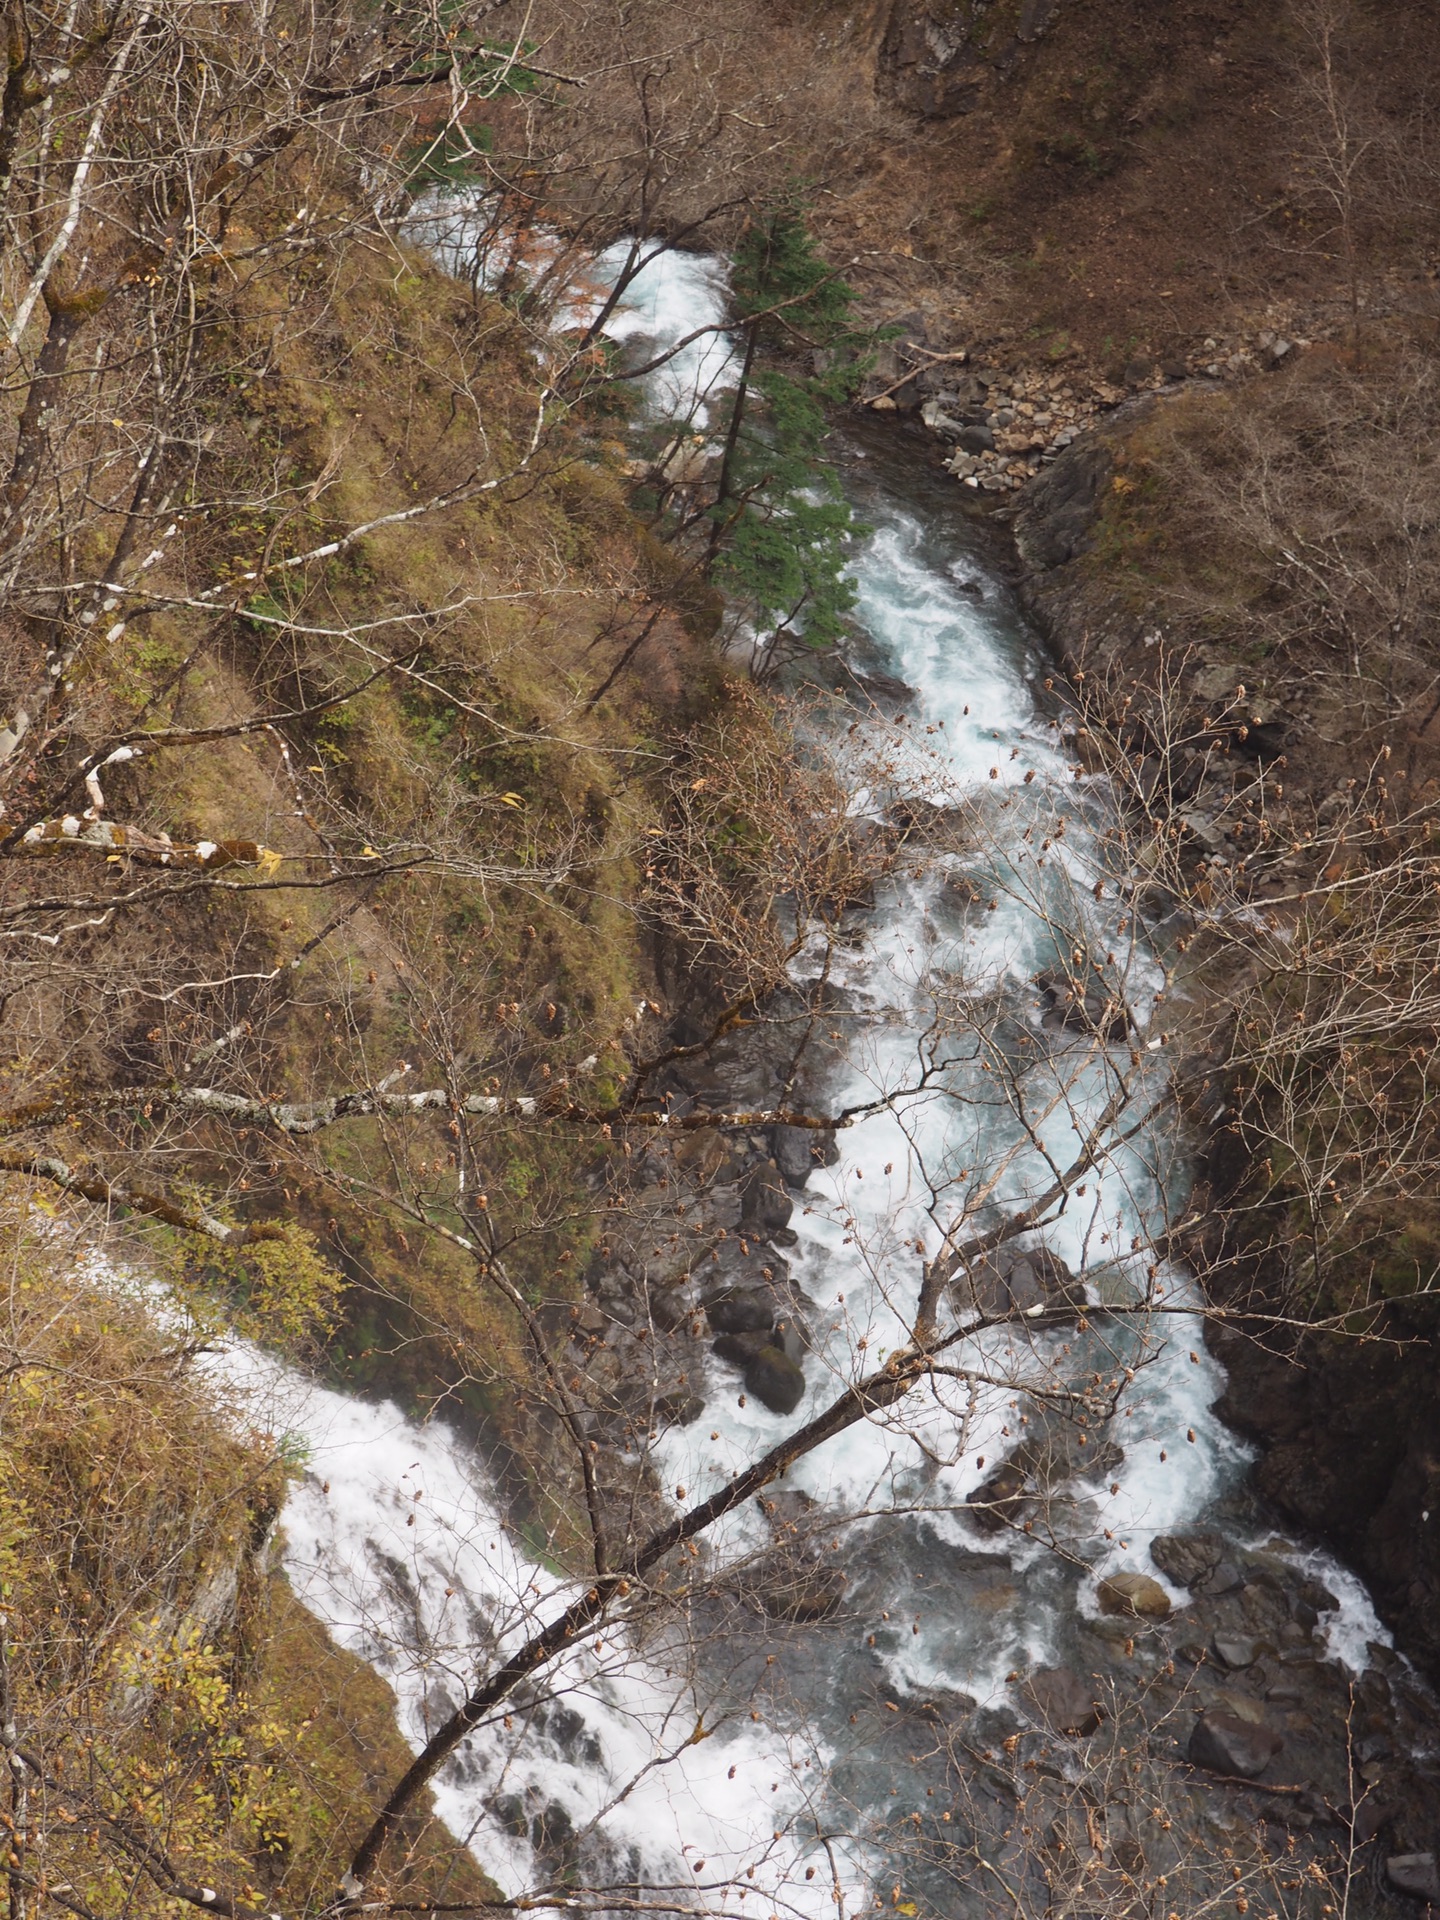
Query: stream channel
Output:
(813,1764)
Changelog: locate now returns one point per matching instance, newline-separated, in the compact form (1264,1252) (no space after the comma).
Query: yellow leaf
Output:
(513,799)
(269,861)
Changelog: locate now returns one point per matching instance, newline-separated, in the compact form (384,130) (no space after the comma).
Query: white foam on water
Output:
(978,734)
(1354,1625)
(673,296)
(394,1538)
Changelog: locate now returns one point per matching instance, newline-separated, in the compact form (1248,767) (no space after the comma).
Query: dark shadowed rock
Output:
(741,1310)
(775,1380)
(741,1348)
(1416,1874)
(802,1593)
(1225,1744)
(1187,1558)
(1078,1005)
(1059,1698)
(799,1150)
(680,1408)
(765,1204)
(1001,1500)
(789,1336)
(1060,511)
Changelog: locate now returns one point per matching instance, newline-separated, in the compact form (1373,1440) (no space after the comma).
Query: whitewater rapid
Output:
(397,1539)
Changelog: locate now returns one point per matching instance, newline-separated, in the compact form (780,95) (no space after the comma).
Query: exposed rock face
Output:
(942,57)
(765,1205)
(1133,1593)
(1055,523)
(1349,1432)
(1353,1454)
(1227,1744)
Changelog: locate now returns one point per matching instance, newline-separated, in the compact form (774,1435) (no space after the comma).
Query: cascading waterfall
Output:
(396,1540)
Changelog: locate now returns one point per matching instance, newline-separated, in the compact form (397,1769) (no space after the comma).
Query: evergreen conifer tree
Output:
(781,527)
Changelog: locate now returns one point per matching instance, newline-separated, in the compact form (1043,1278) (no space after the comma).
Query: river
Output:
(790,1802)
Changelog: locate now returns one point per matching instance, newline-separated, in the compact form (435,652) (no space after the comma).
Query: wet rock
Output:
(1225,1577)
(741,1310)
(741,1348)
(1264,1603)
(789,1336)
(1057,1448)
(798,1150)
(776,1380)
(976,437)
(509,1810)
(765,1205)
(1133,1593)
(1012,1280)
(551,1827)
(1064,1702)
(1372,1816)
(1416,1874)
(802,1593)
(1187,1558)
(957,890)
(939,421)
(882,686)
(1236,1652)
(1223,1743)
(1000,1501)
(682,1408)
(1312,1597)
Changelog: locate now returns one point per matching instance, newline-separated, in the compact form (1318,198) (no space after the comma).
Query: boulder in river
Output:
(799,1150)
(1416,1874)
(765,1205)
(1224,1743)
(1064,1702)
(775,1380)
(802,1593)
(741,1348)
(741,1310)
(1001,1500)
(1012,1280)
(1187,1558)
(1133,1593)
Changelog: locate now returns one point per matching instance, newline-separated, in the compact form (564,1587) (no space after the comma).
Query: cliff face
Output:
(1350,1439)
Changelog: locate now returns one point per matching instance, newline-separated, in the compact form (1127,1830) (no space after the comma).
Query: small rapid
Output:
(635,1759)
